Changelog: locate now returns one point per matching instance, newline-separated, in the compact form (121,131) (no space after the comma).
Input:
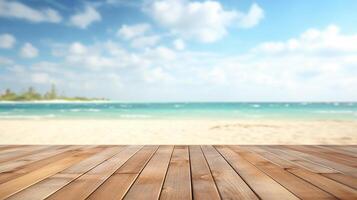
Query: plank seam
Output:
(84,173)
(167,169)
(112,173)
(139,172)
(267,173)
(209,168)
(237,172)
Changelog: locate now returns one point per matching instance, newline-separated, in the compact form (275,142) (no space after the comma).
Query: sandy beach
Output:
(181,131)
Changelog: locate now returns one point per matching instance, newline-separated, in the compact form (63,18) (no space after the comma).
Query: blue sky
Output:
(182,50)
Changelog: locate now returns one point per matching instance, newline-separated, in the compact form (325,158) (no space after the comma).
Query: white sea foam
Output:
(85,110)
(256,105)
(335,111)
(28,116)
(125,106)
(93,110)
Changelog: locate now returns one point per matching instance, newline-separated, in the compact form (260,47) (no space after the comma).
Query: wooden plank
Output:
(262,184)
(177,183)
(328,155)
(21,170)
(331,148)
(348,170)
(203,185)
(17,148)
(346,180)
(149,183)
(114,187)
(348,148)
(6,147)
(13,164)
(82,187)
(339,190)
(12,155)
(15,185)
(299,187)
(289,160)
(136,163)
(229,183)
(119,183)
(52,184)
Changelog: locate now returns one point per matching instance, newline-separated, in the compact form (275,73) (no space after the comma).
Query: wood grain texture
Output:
(149,183)
(178,172)
(15,185)
(294,184)
(178,179)
(119,183)
(229,183)
(52,184)
(261,183)
(203,184)
(82,187)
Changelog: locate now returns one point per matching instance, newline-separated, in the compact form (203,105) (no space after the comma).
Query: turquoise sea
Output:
(117,110)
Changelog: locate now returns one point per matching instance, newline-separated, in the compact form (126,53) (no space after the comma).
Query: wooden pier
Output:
(178,172)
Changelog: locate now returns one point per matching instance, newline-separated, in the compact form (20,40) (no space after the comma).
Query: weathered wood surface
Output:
(178,172)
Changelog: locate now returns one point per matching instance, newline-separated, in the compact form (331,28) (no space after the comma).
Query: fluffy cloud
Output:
(313,66)
(28,51)
(12,9)
(252,18)
(156,75)
(179,44)
(7,41)
(130,31)
(86,17)
(318,64)
(145,41)
(205,21)
(99,56)
(138,35)
(40,78)
(313,41)
(5,61)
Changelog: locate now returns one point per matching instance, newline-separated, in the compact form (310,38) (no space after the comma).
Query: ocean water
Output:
(116,110)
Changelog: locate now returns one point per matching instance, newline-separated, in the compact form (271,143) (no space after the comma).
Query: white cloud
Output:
(179,44)
(86,17)
(7,41)
(29,51)
(131,31)
(326,41)
(5,61)
(318,63)
(95,57)
(205,21)
(252,18)
(77,48)
(156,75)
(145,41)
(40,78)
(12,9)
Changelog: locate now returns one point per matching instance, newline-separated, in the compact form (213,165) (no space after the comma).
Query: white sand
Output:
(177,132)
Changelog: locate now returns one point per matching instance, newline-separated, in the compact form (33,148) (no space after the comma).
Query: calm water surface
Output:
(116,110)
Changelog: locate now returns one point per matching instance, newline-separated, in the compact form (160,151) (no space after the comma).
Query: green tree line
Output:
(32,95)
